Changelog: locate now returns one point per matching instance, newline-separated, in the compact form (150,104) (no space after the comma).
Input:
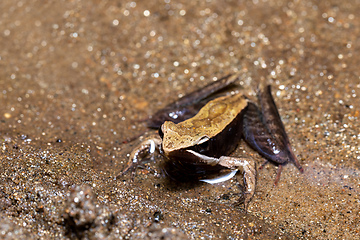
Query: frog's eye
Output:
(203,139)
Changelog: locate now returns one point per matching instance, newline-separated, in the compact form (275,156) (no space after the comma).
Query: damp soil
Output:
(77,79)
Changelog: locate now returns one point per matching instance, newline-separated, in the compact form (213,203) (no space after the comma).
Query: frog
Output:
(199,132)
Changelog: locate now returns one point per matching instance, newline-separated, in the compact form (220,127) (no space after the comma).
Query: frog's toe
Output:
(133,166)
(130,168)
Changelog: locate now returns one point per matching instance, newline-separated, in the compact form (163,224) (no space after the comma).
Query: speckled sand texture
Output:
(78,77)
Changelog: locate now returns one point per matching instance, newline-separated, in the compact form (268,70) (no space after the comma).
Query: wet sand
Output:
(78,77)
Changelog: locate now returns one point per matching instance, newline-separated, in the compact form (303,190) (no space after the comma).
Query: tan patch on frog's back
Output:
(208,122)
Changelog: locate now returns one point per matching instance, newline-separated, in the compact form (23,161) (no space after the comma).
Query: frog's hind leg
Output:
(141,154)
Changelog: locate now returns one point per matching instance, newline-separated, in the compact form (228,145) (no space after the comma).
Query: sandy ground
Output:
(77,77)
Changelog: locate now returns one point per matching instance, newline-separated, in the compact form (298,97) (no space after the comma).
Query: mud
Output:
(78,77)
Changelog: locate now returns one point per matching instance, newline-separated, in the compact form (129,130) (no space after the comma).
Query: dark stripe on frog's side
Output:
(187,106)
(184,166)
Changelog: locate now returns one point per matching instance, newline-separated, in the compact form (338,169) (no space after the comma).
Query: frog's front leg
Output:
(247,167)
(141,154)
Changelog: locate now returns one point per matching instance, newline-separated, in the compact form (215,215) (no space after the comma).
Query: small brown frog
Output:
(196,147)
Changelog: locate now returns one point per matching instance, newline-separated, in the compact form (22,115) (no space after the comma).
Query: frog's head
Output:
(179,137)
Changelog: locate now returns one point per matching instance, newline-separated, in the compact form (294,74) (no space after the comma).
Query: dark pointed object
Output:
(265,132)
(189,105)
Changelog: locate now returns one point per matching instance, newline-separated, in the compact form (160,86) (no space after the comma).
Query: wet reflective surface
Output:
(77,78)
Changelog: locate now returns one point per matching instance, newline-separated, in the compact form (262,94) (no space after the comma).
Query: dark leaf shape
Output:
(187,106)
(265,132)
(259,136)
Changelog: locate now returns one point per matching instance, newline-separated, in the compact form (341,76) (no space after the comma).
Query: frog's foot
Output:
(278,174)
(141,154)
